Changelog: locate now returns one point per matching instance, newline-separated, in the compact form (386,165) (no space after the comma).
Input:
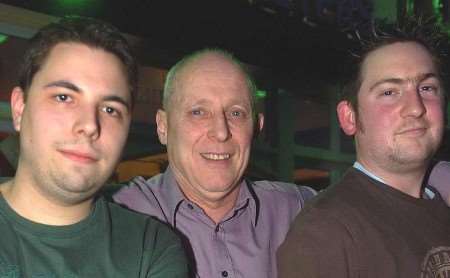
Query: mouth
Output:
(78,156)
(216,156)
(415,131)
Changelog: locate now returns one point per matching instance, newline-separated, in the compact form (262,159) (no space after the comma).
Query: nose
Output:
(88,124)
(219,129)
(413,105)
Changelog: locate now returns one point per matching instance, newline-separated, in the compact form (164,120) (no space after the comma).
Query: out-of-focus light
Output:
(260,94)
(410,7)
(3,38)
(437,7)
(72,2)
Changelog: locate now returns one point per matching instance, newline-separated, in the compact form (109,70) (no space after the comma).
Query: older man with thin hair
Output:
(232,225)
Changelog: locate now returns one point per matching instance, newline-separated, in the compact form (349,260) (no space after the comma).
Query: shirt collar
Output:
(427,193)
(172,193)
(247,196)
(359,166)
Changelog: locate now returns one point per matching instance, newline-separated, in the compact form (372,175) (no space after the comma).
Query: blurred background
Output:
(295,49)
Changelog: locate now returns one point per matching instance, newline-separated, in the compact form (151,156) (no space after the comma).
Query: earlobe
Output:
(161,123)
(17,107)
(260,123)
(347,117)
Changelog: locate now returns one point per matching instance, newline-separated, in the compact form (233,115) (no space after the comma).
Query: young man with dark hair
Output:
(377,221)
(72,111)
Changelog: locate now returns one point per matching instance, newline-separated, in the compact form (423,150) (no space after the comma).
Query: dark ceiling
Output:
(173,28)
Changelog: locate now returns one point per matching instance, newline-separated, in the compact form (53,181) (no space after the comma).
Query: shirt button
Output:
(190,206)
(217,230)
(224,274)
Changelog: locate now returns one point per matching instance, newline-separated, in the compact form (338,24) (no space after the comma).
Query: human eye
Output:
(388,93)
(237,114)
(112,111)
(428,89)
(62,98)
(197,112)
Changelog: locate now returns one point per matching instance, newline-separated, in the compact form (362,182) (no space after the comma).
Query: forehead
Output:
(80,54)
(83,65)
(212,78)
(398,60)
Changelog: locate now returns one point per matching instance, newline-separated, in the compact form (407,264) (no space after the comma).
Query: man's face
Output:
(400,117)
(73,124)
(208,128)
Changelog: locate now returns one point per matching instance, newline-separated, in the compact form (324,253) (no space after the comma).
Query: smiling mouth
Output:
(79,156)
(216,156)
(413,131)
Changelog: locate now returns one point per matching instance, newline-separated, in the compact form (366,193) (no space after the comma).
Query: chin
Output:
(219,186)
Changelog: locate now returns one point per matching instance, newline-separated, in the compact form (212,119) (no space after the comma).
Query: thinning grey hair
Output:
(172,75)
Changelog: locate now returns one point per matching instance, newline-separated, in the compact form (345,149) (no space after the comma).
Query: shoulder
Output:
(341,206)
(282,191)
(138,194)
(349,192)
(133,221)
(140,186)
(280,198)
(123,216)
(162,250)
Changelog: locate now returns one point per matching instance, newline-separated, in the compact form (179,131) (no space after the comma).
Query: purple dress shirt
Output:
(243,244)
(440,179)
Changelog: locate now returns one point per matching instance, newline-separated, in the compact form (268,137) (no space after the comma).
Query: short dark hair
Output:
(88,31)
(426,33)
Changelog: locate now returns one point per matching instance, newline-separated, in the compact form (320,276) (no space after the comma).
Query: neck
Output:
(29,202)
(218,210)
(409,180)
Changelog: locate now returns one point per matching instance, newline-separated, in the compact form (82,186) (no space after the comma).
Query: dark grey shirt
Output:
(244,243)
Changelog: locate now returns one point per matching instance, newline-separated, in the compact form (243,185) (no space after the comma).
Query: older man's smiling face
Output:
(208,128)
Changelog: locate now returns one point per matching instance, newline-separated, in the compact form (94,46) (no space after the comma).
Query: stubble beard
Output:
(65,188)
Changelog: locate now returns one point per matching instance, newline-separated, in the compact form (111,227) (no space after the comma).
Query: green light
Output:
(73,2)
(410,7)
(437,7)
(3,38)
(260,94)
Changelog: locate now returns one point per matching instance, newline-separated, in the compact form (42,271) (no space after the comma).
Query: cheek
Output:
(436,112)
(243,136)
(186,134)
(46,122)
(114,135)
(376,118)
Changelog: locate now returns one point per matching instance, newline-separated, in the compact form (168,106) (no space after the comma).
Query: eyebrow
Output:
(63,84)
(118,100)
(419,78)
(70,86)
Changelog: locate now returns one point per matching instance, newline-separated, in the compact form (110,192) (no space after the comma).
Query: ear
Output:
(161,126)
(260,123)
(347,117)
(17,107)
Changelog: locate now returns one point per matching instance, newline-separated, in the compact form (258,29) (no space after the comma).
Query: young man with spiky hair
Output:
(377,221)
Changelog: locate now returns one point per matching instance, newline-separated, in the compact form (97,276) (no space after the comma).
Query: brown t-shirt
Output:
(364,228)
